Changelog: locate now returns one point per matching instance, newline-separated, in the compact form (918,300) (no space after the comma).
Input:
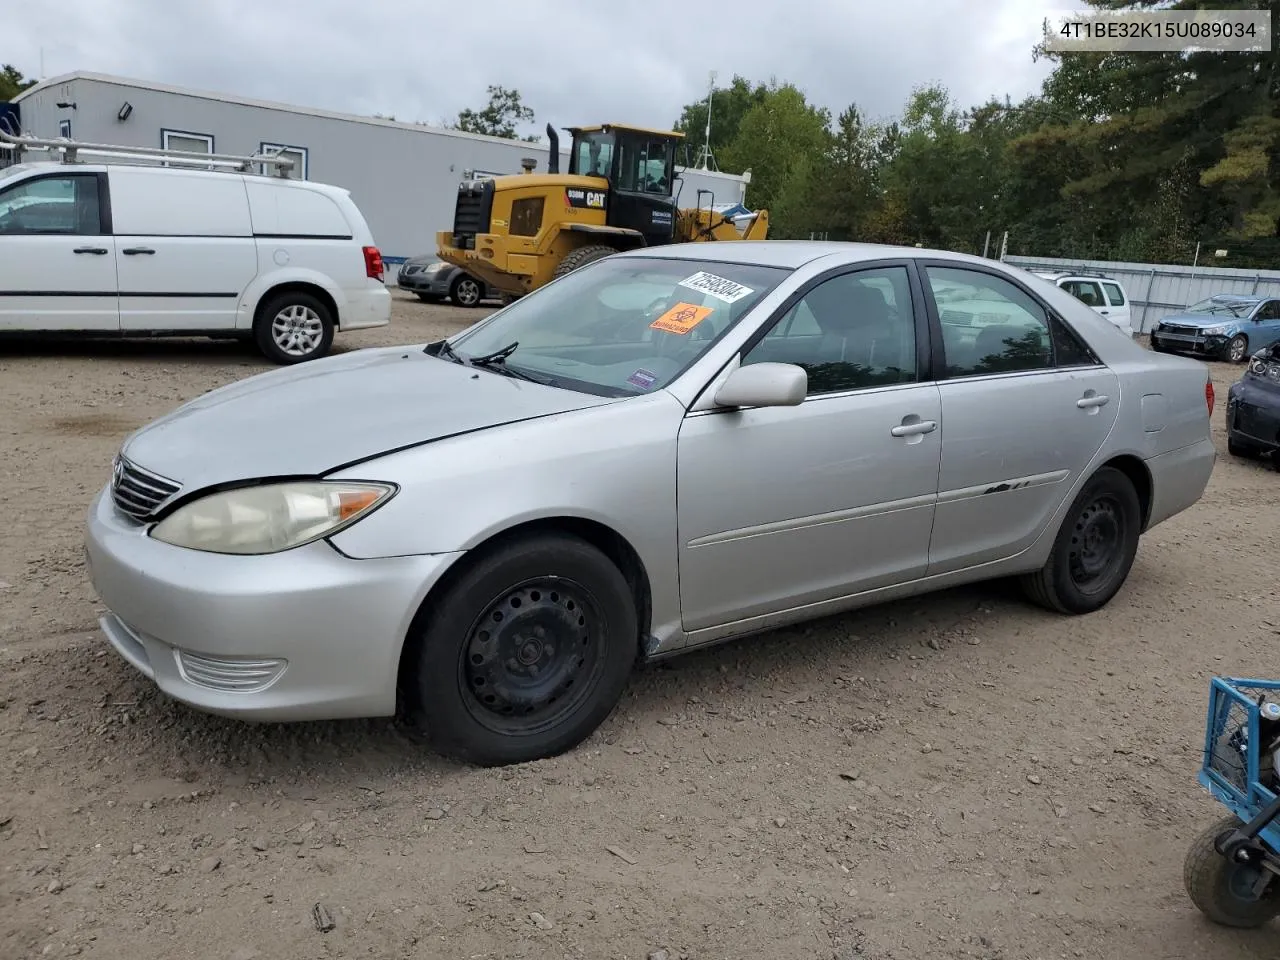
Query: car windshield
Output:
(1222,308)
(619,326)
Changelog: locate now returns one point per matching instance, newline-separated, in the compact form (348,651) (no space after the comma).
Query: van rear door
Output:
(185,251)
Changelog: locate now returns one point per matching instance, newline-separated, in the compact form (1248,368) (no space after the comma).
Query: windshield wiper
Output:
(445,351)
(498,356)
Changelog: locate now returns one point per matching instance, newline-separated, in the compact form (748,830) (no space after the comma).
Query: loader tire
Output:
(582,256)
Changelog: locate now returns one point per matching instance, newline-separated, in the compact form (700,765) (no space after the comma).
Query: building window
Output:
(64,129)
(297,154)
(185,142)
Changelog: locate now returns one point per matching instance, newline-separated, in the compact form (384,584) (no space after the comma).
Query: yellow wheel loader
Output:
(521,231)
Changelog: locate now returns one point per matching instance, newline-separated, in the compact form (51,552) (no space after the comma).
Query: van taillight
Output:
(1208,396)
(373,263)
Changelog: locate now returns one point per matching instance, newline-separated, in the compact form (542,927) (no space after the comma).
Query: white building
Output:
(403,176)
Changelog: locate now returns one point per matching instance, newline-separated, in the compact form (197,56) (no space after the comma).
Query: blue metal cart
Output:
(1232,868)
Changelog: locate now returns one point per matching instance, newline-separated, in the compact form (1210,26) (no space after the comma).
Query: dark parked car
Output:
(434,280)
(1253,406)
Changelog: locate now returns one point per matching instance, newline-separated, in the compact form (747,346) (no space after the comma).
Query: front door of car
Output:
(786,506)
(1118,304)
(57,255)
(1026,407)
(1266,330)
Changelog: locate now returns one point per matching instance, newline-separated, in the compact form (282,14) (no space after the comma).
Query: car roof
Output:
(793,254)
(44,166)
(1239,297)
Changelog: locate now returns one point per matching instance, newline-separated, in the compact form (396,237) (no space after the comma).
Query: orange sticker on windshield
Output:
(682,318)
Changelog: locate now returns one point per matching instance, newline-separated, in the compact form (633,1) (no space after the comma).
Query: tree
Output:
(728,106)
(12,82)
(499,118)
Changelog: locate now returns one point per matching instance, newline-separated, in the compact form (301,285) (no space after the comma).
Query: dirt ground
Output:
(959,776)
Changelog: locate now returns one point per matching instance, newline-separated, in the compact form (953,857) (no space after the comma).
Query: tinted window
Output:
(1114,294)
(1269,311)
(1086,291)
(51,205)
(988,324)
(853,331)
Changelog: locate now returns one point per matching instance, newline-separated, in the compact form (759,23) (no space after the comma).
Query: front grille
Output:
(471,212)
(139,493)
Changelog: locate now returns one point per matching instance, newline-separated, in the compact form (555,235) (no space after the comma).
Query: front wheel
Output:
(582,256)
(293,327)
(1224,891)
(466,291)
(1094,549)
(526,653)
(1237,349)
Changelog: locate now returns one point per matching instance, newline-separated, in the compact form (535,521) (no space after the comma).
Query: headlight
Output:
(270,518)
(1217,331)
(1258,367)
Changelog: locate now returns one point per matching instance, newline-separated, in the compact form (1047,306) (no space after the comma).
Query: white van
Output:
(1105,295)
(149,250)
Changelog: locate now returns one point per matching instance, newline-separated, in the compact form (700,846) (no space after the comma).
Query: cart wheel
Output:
(1224,890)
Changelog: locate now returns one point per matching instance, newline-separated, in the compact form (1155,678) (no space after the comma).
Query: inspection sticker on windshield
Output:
(682,318)
(644,379)
(717,287)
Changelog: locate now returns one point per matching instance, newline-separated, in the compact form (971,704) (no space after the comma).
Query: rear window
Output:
(283,209)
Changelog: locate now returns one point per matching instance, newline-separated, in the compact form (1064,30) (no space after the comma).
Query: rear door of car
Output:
(1266,330)
(185,248)
(1118,304)
(57,255)
(1025,407)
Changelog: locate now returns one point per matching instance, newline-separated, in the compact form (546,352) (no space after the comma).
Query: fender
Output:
(264,282)
(630,238)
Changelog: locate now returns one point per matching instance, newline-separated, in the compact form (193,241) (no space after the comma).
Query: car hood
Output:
(312,418)
(1199,320)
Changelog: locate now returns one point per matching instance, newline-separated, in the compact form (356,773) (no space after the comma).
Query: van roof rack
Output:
(69,151)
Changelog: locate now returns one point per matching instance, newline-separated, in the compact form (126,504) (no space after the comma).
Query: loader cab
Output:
(640,167)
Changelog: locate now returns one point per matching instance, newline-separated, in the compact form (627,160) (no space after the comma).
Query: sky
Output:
(573,61)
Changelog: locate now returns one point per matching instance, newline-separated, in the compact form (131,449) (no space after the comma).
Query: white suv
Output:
(145,250)
(1105,295)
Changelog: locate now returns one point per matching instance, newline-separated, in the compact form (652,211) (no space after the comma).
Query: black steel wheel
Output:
(525,652)
(1094,549)
(1226,892)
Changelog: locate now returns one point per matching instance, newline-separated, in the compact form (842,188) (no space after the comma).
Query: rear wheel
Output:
(1094,549)
(1237,349)
(526,653)
(293,327)
(465,291)
(582,256)
(1224,891)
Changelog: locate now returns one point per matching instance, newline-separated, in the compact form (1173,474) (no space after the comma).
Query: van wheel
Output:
(525,654)
(581,257)
(293,327)
(1094,549)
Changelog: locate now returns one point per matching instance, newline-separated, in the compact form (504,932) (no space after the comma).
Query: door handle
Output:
(134,251)
(100,251)
(1104,312)
(914,429)
(1092,401)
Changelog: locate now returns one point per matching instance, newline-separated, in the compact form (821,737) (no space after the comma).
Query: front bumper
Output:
(306,634)
(1214,346)
(434,284)
(1253,416)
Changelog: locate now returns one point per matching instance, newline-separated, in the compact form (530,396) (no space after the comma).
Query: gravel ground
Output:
(960,776)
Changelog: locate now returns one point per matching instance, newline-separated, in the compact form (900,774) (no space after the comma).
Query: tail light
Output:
(1208,396)
(373,263)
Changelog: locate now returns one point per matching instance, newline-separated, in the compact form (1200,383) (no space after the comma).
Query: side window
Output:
(988,324)
(851,332)
(1086,291)
(52,205)
(1114,294)
(1269,310)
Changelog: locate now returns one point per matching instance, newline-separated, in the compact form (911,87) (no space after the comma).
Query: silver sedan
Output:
(661,450)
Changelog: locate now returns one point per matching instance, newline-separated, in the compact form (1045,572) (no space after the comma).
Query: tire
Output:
(1077,579)
(1219,888)
(1243,450)
(472,692)
(466,291)
(293,317)
(582,256)
(1237,349)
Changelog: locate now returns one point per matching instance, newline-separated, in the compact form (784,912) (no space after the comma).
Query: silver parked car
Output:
(661,450)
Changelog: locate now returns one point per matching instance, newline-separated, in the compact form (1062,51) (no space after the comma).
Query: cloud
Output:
(574,61)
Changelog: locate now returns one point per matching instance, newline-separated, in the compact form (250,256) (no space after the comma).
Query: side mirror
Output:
(764,385)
